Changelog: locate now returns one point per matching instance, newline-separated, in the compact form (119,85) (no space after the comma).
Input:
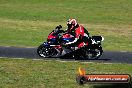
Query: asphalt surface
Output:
(30,53)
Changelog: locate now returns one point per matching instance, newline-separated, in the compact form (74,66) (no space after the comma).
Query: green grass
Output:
(27,73)
(95,11)
(28,22)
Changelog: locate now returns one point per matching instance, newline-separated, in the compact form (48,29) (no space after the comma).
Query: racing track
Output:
(30,53)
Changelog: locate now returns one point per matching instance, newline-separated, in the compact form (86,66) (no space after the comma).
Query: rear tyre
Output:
(93,53)
(98,52)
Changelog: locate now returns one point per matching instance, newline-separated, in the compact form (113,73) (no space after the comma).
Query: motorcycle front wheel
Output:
(43,51)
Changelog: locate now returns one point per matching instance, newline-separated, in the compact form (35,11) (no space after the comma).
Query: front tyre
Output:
(43,51)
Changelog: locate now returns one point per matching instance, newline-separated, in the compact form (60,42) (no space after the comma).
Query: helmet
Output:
(71,23)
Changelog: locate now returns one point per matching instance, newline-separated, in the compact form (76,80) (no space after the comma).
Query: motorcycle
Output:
(54,47)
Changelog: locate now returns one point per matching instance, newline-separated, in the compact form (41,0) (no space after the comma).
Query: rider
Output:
(79,32)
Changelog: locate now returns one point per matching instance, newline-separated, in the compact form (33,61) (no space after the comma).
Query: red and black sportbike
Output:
(55,46)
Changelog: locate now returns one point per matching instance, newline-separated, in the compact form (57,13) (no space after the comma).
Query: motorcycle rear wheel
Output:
(93,53)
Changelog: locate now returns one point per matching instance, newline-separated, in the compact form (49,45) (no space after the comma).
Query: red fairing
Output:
(50,36)
(58,47)
(67,36)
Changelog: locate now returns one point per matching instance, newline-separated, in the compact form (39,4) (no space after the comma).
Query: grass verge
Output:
(27,73)
(27,23)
